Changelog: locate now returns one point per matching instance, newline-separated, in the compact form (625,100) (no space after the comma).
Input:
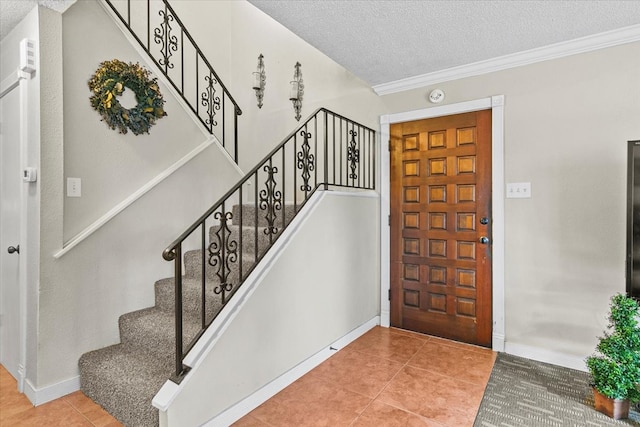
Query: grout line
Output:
(389,382)
(73,408)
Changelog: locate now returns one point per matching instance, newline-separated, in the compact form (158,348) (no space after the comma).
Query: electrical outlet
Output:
(74,187)
(519,190)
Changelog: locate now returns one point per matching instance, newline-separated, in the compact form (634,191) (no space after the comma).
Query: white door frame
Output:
(496,104)
(20,81)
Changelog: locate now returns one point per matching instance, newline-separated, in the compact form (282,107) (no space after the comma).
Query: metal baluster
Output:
(182,60)
(373,162)
(178,302)
(334,148)
(241,278)
(203,278)
(326,152)
(284,197)
(341,148)
(295,175)
(255,216)
(315,147)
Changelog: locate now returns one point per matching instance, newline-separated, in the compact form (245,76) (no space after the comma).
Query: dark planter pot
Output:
(615,408)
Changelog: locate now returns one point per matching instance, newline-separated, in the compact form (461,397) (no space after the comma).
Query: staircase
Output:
(124,378)
(216,254)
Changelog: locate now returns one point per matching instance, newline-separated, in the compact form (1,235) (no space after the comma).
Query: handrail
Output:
(239,237)
(197,90)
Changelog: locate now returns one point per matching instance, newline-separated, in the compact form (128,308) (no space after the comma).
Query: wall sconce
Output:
(297,90)
(259,81)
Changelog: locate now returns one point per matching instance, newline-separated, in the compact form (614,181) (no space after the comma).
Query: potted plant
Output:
(615,367)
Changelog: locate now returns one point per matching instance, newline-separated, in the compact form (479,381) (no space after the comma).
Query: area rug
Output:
(523,393)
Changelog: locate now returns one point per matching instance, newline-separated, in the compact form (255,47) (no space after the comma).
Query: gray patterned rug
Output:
(525,393)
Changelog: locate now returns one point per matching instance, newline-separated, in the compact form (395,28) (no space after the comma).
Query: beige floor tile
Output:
(359,372)
(389,344)
(456,361)
(312,401)
(249,421)
(380,414)
(57,413)
(91,410)
(440,398)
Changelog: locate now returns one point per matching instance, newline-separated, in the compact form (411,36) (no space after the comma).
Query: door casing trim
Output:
(496,104)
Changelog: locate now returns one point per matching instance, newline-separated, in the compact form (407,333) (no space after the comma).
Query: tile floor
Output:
(387,377)
(72,410)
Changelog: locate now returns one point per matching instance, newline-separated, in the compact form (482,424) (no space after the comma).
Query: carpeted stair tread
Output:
(152,330)
(123,381)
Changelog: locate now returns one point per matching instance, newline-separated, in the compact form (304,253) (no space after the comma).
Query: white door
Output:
(10,187)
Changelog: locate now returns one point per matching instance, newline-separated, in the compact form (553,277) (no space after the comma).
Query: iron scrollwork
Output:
(211,100)
(306,161)
(270,200)
(223,251)
(353,155)
(162,36)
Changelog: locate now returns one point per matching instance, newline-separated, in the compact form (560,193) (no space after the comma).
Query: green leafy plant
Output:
(615,367)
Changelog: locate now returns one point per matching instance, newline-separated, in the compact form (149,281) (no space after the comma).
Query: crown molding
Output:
(558,50)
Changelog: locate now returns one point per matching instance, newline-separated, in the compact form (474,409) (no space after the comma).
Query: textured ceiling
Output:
(12,11)
(383,41)
(387,40)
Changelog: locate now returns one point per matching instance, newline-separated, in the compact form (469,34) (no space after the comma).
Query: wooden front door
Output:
(441,226)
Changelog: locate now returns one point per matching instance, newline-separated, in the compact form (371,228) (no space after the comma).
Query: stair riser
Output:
(193,268)
(155,334)
(248,238)
(191,296)
(106,377)
(249,215)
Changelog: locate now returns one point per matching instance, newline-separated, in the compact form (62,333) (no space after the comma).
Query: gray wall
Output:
(566,126)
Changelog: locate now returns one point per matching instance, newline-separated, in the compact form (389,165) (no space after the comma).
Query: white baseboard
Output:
(546,356)
(497,342)
(38,396)
(251,402)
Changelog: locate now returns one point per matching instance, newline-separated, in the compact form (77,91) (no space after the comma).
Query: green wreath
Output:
(110,80)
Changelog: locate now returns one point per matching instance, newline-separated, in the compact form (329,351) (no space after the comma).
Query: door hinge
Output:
(389,145)
(389,218)
(389,294)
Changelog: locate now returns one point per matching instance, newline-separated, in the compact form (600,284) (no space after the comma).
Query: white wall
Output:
(242,32)
(323,284)
(567,123)
(111,165)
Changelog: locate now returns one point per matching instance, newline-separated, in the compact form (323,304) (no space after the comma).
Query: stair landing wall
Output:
(323,284)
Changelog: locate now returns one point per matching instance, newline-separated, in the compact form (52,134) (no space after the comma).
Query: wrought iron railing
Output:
(179,58)
(215,255)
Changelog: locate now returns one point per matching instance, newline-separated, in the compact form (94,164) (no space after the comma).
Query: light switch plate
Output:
(519,190)
(74,187)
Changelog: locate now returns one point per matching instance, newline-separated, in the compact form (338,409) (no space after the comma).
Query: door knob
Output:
(11,249)
(484,240)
